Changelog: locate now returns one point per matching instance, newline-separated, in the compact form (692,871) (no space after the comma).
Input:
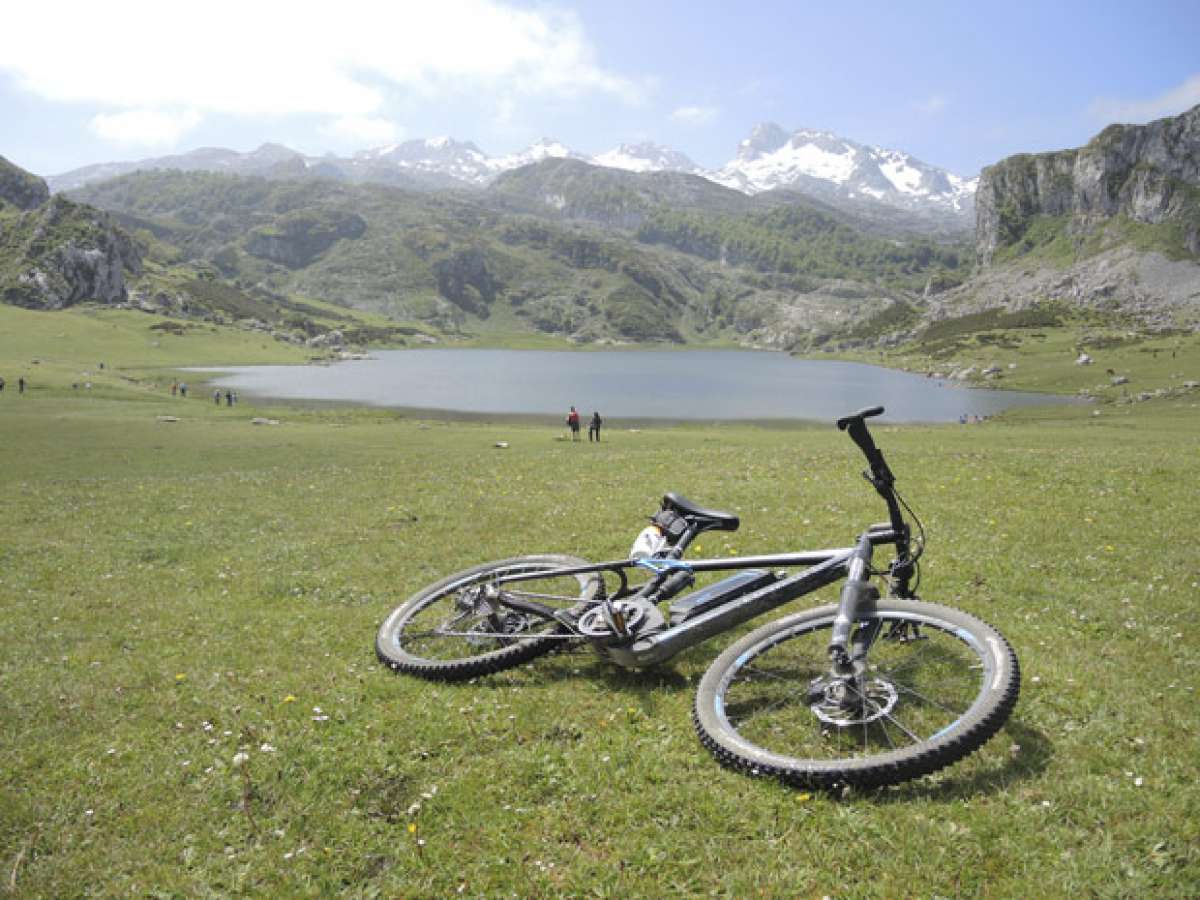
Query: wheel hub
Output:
(844,703)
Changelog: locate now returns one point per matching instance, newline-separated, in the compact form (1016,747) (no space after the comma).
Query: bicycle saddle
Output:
(713,518)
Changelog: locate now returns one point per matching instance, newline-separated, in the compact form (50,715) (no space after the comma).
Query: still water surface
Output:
(694,384)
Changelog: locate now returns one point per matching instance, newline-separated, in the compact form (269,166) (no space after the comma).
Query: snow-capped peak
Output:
(833,166)
(645,157)
(815,162)
(545,148)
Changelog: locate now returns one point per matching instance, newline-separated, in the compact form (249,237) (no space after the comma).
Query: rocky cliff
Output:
(1148,173)
(62,253)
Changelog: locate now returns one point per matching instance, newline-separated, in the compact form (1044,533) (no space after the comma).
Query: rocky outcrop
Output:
(63,253)
(22,189)
(1161,293)
(465,280)
(1150,173)
(297,238)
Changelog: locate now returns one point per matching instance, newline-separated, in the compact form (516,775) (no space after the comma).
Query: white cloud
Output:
(288,57)
(144,127)
(370,130)
(931,105)
(694,115)
(1170,103)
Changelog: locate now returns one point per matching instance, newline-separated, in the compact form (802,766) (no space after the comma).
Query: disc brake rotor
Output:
(844,704)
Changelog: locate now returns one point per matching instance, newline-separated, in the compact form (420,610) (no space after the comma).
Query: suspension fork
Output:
(858,595)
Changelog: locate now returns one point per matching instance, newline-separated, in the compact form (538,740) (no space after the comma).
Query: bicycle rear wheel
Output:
(934,686)
(462,627)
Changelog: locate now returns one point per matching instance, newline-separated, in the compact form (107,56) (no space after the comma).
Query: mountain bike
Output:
(871,691)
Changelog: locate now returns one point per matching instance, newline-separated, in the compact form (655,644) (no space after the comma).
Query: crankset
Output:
(619,621)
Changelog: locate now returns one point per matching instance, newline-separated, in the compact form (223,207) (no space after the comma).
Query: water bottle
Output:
(648,543)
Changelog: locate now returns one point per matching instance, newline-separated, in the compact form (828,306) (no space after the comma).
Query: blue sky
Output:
(959,85)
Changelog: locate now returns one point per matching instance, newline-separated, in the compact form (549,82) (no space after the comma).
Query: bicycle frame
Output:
(824,567)
(672,575)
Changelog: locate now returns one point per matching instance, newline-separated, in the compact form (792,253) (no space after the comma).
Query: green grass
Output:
(1051,240)
(1034,354)
(172,594)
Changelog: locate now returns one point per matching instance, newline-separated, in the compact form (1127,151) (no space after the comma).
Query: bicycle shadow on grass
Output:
(1018,752)
(1026,756)
(584,666)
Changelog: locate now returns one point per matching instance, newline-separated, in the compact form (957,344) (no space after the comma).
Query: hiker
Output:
(217,396)
(1,383)
(594,427)
(174,388)
(228,398)
(573,423)
(21,385)
(183,389)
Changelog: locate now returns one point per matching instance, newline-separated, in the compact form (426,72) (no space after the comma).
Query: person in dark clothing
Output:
(21,385)
(573,423)
(594,427)
(228,398)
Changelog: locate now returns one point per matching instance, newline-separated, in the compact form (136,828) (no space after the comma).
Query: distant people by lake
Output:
(21,385)
(573,423)
(594,427)
(174,388)
(217,396)
(183,389)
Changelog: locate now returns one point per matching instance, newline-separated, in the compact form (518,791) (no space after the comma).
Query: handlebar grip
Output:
(870,412)
(856,425)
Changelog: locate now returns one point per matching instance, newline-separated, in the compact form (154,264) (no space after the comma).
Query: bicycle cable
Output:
(912,559)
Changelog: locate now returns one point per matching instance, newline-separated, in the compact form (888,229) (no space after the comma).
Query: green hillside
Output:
(623,258)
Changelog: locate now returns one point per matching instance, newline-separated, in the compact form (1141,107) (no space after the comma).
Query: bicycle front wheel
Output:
(935,684)
(470,624)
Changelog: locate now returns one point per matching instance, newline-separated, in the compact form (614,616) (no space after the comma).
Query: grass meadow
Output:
(191,704)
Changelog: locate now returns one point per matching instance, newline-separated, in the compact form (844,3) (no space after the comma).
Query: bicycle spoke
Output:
(757,712)
(533,595)
(910,660)
(750,667)
(912,736)
(908,690)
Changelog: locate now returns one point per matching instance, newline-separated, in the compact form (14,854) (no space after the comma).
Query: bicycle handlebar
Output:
(883,481)
(856,425)
(869,413)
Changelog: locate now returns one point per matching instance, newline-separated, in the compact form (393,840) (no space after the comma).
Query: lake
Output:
(693,384)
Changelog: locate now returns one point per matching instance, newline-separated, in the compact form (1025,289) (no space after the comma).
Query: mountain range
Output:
(871,181)
(551,243)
